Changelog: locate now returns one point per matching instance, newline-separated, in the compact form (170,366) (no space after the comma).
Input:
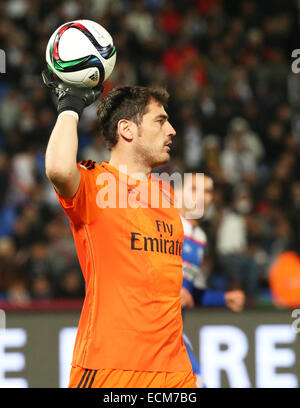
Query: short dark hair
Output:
(126,102)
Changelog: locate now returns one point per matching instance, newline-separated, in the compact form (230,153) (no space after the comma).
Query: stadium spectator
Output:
(239,267)
(71,284)
(41,288)
(237,162)
(239,128)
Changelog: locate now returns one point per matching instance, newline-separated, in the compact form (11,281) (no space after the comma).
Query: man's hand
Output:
(235,300)
(186,299)
(71,97)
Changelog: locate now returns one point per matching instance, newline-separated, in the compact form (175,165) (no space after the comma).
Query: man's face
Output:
(154,135)
(191,189)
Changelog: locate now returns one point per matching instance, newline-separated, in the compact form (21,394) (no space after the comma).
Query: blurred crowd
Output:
(234,104)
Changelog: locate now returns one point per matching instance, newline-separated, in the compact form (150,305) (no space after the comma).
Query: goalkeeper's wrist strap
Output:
(72,103)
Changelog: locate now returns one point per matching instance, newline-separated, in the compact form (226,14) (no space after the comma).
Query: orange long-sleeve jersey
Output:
(132,265)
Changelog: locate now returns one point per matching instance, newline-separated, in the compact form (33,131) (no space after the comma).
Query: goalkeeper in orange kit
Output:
(130,329)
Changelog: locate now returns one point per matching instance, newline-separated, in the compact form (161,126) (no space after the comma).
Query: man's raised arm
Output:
(61,153)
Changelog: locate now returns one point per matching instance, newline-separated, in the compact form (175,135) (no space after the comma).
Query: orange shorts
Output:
(111,378)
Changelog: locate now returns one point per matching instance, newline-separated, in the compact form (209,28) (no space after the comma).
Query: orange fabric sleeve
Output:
(82,208)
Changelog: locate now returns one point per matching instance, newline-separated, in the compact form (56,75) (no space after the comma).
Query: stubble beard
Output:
(153,157)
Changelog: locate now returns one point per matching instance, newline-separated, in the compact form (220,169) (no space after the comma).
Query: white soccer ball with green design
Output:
(81,53)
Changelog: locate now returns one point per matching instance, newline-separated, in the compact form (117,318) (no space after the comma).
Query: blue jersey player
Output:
(193,292)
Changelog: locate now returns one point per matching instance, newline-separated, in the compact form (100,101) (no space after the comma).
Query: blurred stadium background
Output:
(235,105)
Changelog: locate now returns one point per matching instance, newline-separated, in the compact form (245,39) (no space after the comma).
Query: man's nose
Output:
(170,130)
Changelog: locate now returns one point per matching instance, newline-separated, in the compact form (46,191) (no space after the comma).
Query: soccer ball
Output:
(81,53)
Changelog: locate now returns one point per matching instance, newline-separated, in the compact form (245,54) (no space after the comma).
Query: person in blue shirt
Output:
(194,292)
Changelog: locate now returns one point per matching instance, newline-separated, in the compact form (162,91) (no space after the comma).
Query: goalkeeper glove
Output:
(71,97)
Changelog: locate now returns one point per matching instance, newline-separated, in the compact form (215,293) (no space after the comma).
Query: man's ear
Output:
(126,129)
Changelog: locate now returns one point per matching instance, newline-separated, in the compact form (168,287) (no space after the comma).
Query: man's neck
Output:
(130,166)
